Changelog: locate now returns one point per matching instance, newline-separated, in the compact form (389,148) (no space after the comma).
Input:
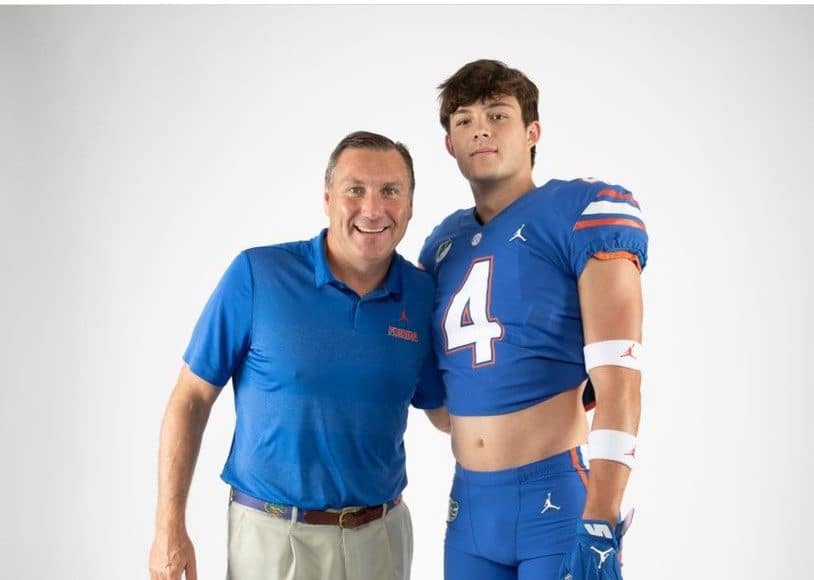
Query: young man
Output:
(327,342)
(537,290)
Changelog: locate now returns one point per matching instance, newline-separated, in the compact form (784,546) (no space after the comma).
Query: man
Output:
(537,290)
(327,342)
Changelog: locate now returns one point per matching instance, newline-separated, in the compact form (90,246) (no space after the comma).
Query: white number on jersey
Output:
(467,321)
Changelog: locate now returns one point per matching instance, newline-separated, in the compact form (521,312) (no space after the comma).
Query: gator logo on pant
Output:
(275,509)
(452,513)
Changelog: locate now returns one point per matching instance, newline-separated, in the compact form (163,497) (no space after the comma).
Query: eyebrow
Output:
(354,181)
(490,105)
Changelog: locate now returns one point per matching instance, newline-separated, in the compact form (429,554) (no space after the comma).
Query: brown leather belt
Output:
(346,518)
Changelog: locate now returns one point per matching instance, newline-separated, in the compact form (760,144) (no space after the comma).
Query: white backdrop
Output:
(142,147)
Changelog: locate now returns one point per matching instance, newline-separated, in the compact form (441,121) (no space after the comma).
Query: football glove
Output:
(596,551)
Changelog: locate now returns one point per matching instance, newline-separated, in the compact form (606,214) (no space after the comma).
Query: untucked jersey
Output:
(508,329)
(322,378)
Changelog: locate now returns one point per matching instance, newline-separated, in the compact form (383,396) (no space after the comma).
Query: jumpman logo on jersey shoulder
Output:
(628,352)
(403,317)
(602,556)
(519,234)
(548,505)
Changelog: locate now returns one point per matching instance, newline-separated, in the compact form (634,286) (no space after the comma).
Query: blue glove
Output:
(595,555)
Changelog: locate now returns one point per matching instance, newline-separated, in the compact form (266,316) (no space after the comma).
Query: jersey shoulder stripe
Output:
(612,207)
(608,205)
(617,194)
(595,223)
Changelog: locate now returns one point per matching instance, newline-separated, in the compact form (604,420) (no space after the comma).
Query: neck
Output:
(493,197)
(361,279)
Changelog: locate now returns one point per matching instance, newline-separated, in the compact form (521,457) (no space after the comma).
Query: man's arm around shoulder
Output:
(181,433)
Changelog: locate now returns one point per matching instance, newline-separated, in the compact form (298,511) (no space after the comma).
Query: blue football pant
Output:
(514,524)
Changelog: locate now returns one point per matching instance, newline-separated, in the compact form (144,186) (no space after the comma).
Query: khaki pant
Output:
(262,547)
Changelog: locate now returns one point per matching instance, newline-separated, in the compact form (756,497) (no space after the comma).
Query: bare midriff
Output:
(493,442)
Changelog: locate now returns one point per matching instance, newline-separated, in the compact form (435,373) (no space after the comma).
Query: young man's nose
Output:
(481,130)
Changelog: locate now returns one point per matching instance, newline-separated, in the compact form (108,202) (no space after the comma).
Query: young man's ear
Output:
(533,132)
(448,145)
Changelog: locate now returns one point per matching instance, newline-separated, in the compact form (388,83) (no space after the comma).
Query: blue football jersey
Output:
(508,329)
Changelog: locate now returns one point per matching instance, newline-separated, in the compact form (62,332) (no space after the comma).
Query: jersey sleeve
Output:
(426,258)
(609,226)
(223,332)
(429,393)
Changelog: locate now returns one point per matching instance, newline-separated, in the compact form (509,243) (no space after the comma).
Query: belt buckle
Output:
(275,510)
(344,512)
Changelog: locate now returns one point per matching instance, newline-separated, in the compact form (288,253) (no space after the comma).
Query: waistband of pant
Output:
(575,459)
(349,517)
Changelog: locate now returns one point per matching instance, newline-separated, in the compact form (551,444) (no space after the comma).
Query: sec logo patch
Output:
(443,250)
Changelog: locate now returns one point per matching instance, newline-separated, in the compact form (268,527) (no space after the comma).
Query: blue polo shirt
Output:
(322,378)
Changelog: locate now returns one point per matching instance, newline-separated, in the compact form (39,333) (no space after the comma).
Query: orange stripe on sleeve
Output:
(612,193)
(575,461)
(584,224)
(619,255)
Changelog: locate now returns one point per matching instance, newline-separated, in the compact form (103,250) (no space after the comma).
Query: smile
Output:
(362,230)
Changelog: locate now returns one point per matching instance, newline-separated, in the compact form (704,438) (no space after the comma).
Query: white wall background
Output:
(142,147)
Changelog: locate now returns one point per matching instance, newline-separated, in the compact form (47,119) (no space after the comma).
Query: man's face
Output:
(368,203)
(489,140)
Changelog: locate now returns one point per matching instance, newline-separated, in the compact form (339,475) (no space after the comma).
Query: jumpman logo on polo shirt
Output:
(548,505)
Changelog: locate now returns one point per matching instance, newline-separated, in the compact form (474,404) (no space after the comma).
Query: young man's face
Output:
(369,204)
(489,140)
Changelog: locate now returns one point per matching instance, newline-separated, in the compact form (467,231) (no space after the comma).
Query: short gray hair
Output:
(368,140)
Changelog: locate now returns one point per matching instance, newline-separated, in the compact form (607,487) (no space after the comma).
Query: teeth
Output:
(367,231)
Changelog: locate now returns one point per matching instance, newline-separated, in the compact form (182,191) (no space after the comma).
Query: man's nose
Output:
(372,205)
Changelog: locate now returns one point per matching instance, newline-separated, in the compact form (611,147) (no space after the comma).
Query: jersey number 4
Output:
(467,322)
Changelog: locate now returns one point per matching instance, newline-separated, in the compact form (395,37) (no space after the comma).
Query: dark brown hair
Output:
(484,79)
(368,140)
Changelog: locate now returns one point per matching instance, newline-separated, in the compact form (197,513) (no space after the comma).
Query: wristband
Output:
(620,353)
(612,445)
